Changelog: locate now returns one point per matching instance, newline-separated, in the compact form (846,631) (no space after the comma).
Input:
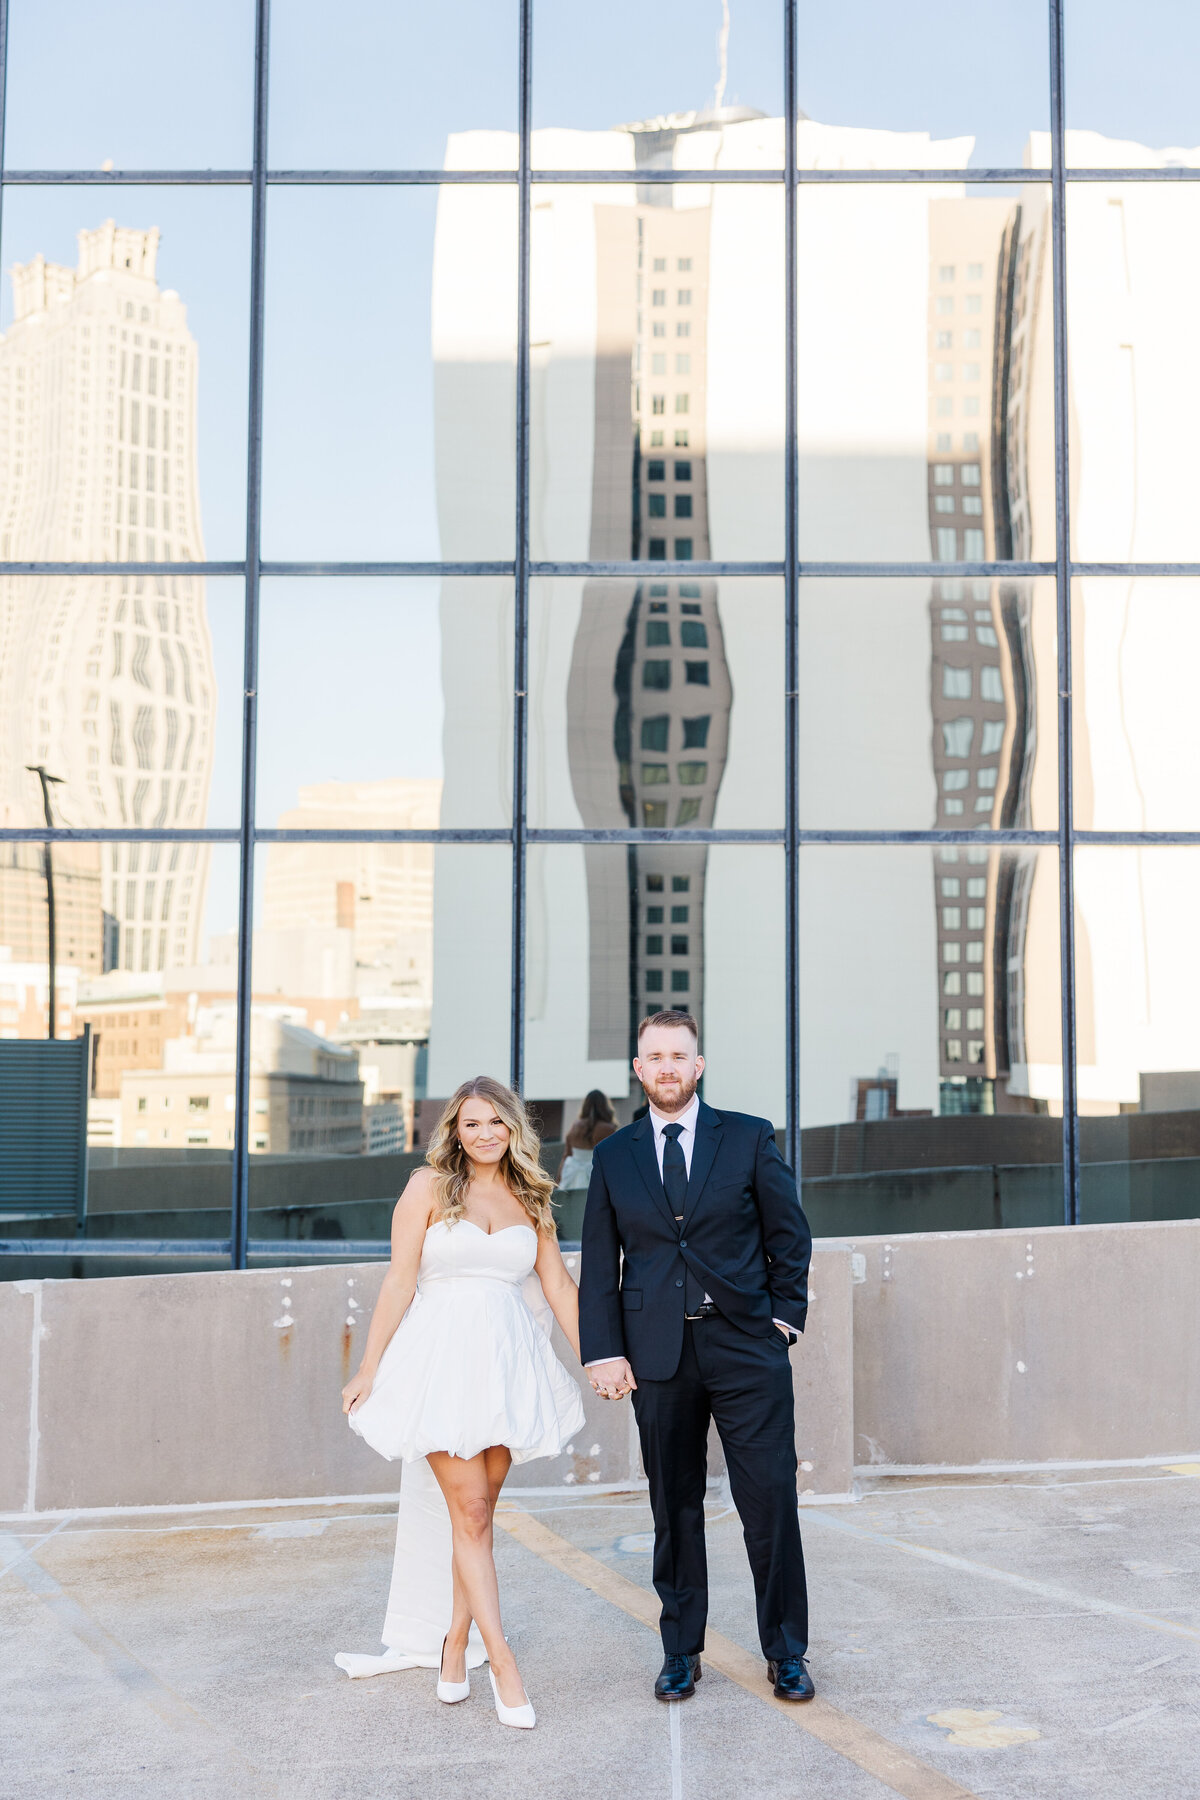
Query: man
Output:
(696,1324)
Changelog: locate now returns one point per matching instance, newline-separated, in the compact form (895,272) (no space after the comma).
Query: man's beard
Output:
(677,1096)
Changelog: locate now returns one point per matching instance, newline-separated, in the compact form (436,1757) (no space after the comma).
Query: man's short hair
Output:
(671,1020)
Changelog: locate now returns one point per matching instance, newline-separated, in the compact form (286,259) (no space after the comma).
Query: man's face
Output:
(668,1066)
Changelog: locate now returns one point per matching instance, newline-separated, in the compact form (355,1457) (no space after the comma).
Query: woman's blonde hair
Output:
(520,1169)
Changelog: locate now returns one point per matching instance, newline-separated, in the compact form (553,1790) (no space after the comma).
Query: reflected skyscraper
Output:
(108,682)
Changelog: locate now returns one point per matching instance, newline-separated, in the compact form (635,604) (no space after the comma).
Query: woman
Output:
(594,1124)
(458,1371)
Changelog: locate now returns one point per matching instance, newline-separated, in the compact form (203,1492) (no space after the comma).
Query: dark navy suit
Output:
(744,1241)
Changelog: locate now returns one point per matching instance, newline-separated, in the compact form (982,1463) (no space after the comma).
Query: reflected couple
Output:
(459,1379)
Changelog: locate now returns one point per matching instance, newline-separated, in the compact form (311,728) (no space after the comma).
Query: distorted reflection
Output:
(107,683)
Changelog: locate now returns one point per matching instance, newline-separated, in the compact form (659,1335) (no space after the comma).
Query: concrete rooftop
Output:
(1020,1636)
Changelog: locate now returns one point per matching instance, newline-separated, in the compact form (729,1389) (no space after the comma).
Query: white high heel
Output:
(452,1691)
(521,1718)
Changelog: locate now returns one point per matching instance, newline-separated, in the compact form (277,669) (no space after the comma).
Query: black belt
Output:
(706,1311)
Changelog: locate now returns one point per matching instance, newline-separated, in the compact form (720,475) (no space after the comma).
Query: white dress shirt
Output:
(686,1120)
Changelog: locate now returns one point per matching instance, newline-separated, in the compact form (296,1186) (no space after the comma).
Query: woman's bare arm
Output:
(410,1221)
(562,1295)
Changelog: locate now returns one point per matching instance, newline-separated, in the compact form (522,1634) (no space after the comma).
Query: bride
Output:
(458,1377)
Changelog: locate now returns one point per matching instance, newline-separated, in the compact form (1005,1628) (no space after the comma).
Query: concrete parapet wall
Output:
(1061,1344)
(933,1350)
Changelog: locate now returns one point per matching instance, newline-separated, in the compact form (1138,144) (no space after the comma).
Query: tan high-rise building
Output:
(107,682)
(380,894)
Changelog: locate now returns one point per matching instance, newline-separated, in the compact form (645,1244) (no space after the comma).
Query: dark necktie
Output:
(674,1169)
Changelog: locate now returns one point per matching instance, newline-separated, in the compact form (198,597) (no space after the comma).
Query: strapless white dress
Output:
(470,1365)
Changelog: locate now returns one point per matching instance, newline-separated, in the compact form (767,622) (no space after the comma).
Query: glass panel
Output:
(412,683)
(381,980)
(926,425)
(1134,370)
(1137,984)
(126,690)
(930,1038)
(657,373)
(617,931)
(658,703)
(928,703)
(397,442)
(1126,90)
(942,71)
(334,90)
(123,375)
(130,85)
(146,957)
(698,90)
(1135,649)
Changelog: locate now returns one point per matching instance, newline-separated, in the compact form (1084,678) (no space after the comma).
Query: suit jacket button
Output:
(679,1284)
(683,1243)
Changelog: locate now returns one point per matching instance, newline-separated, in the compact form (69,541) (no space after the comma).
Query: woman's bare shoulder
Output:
(417,1199)
(605,1128)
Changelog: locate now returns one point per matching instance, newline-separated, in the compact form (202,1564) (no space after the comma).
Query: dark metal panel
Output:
(401,569)
(1062,524)
(791,612)
(44,1085)
(448,834)
(521,546)
(109,1248)
(240,1202)
(118,568)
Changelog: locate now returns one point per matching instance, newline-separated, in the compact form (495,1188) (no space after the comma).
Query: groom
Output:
(696,1323)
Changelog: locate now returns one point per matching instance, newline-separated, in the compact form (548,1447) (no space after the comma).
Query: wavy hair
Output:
(520,1168)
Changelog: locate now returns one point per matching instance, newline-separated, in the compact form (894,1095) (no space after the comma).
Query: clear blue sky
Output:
(370,83)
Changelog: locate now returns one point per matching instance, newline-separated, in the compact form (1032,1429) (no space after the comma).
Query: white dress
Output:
(576,1171)
(470,1365)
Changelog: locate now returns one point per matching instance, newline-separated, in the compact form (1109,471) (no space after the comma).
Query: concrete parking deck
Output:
(1007,1635)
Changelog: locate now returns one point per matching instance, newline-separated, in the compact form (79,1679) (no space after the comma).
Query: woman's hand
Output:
(357,1389)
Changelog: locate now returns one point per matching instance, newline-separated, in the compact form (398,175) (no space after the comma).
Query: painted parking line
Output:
(122,1665)
(964,1565)
(898,1770)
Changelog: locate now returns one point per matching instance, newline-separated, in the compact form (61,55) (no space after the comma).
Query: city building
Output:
(305,1092)
(107,682)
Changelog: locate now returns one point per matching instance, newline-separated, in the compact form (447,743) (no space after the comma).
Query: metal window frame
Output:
(790,835)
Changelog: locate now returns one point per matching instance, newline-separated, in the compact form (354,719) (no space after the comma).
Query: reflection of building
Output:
(108,682)
(24,1000)
(305,1092)
(649,695)
(982,690)
(377,897)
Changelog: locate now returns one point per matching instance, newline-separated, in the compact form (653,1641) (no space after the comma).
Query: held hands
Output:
(357,1389)
(612,1380)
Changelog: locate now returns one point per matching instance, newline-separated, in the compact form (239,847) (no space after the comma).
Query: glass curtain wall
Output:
(499,533)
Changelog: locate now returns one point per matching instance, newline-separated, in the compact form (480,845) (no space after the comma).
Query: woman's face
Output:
(482,1132)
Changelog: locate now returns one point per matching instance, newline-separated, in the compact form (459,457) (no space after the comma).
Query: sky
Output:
(348,395)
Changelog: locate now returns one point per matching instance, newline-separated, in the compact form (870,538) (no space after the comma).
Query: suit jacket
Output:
(744,1237)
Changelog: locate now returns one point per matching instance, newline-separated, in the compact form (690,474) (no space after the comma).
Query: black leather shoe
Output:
(792,1680)
(678,1678)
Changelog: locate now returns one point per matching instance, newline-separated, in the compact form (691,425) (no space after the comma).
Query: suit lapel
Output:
(646,1158)
(704,1149)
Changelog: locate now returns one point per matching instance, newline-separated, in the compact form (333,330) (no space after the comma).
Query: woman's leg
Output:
(468,1491)
(497,1462)
(454,1652)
